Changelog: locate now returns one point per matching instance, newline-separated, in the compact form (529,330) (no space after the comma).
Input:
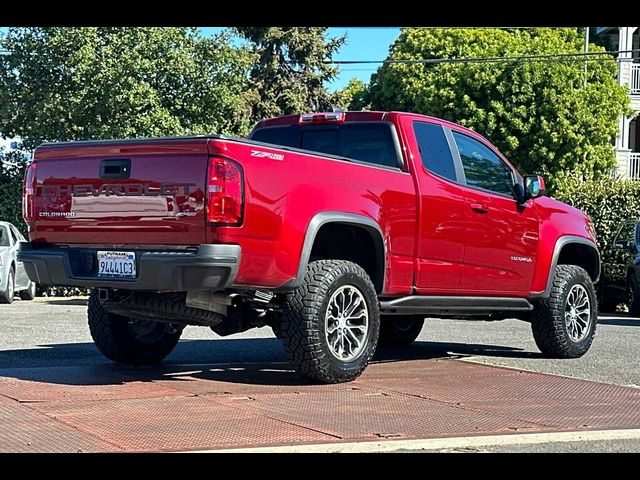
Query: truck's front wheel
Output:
(330,324)
(564,324)
(129,341)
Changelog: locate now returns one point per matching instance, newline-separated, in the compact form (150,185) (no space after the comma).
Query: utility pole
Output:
(586,50)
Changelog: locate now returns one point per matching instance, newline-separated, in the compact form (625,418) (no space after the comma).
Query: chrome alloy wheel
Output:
(577,313)
(346,323)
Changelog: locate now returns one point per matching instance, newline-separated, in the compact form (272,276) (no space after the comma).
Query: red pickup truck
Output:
(339,230)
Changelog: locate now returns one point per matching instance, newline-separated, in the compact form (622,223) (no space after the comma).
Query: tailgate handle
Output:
(116,168)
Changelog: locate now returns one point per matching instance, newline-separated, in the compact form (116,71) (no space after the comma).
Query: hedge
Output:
(609,202)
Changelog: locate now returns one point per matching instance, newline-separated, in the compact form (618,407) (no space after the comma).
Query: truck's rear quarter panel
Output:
(283,195)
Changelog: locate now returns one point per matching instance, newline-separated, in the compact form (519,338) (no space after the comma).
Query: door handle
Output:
(479,207)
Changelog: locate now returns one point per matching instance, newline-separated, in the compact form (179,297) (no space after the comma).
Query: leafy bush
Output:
(609,202)
(49,291)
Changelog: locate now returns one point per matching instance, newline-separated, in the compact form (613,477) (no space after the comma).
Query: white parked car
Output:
(13,277)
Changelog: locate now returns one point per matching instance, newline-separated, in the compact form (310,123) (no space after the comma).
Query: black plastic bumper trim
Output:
(211,267)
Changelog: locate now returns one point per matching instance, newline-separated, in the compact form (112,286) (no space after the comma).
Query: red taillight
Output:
(327,117)
(28,192)
(224,192)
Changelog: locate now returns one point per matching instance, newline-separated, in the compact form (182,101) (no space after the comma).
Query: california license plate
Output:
(117,264)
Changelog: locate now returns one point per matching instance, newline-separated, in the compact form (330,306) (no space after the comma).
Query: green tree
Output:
(289,69)
(353,97)
(73,83)
(539,114)
(12,166)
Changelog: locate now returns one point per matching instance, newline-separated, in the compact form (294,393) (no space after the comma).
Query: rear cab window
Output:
(368,142)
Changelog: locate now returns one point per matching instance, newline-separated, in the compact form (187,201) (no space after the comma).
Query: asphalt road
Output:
(53,332)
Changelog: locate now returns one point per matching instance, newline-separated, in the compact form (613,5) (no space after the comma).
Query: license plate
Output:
(117,264)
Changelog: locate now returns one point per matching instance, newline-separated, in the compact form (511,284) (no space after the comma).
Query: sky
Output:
(363,43)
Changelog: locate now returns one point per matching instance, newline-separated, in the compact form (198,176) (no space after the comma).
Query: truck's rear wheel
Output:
(127,340)
(330,324)
(400,330)
(564,324)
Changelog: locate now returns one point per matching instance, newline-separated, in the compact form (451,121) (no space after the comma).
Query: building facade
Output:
(627,143)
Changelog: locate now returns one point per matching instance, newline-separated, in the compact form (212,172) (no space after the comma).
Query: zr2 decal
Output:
(272,156)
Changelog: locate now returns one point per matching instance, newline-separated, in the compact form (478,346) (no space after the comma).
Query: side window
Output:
(4,237)
(482,167)
(434,150)
(17,235)
(14,238)
(626,232)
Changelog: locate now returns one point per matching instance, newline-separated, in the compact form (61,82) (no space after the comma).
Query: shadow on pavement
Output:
(82,302)
(251,361)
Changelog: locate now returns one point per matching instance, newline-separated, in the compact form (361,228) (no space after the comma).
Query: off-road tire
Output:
(548,317)
(112,335)
(152,306)
(302,325)
(634,298)
(400,330)
(29,293)
(6,296)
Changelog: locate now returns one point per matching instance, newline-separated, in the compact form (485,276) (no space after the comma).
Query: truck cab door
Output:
(442,208)
(502,235)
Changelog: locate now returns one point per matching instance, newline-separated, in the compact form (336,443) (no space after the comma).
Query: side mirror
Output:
(519,193)
(626,245)
(622,244)
(533,186)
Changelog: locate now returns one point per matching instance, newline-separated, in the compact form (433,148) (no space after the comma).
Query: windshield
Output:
(370,142)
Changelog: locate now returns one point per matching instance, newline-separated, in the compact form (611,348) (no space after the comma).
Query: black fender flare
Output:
(561,242)
(324,218)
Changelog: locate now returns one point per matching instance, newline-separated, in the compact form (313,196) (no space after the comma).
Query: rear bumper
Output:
(211,267)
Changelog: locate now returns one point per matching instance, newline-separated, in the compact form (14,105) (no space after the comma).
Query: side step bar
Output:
(417,304)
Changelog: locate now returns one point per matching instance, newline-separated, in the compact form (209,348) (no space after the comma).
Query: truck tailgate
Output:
(147,192)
